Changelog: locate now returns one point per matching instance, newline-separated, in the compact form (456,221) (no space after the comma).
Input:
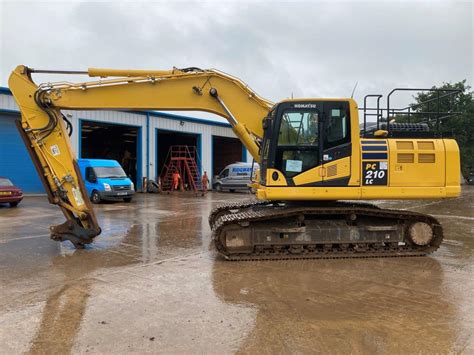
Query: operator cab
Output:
(302,135)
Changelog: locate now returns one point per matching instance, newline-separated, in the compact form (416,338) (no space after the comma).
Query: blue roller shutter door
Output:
(15,162)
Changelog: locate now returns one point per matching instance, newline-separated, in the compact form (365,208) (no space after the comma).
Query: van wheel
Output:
(127,199)
(95,197)
(14,204)
(218,187)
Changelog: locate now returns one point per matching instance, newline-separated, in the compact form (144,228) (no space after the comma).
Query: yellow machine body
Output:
(377,168)
(415,169)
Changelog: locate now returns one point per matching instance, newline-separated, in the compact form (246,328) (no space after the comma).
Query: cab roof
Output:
(99,162)
(317,99)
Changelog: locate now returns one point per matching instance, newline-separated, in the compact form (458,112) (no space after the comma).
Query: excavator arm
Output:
(45,132)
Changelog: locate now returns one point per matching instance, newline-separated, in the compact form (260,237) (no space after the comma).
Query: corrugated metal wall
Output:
(146,121)
(7,102)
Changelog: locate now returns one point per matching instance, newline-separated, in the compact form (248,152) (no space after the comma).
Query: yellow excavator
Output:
(314,160)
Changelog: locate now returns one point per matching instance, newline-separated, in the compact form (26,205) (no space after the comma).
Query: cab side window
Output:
(224,174)
(90,175)
(337,128)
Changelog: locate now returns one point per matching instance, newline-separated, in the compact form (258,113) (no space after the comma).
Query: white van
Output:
(235,176)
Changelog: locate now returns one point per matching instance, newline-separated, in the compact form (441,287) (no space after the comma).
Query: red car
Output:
(9,193)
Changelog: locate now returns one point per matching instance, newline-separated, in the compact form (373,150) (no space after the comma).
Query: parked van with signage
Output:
(106,180)
(235,176)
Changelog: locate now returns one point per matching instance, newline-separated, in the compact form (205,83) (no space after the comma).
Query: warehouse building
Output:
(139,140)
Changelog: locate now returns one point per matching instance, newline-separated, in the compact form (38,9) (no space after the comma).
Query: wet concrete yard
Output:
(152,282)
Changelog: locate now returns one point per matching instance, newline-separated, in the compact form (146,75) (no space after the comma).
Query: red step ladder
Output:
(183,159)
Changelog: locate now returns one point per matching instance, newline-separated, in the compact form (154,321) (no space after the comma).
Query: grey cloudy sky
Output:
(310,49)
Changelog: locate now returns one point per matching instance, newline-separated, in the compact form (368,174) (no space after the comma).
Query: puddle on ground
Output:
(151,282)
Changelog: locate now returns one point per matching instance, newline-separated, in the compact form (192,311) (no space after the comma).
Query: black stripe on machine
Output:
(374,155)
(373,142)
(374,148)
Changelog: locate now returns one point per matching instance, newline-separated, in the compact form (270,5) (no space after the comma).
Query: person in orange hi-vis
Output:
(204,182)
(176,177)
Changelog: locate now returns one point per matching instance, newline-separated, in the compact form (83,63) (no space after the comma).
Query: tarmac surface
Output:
(152,282)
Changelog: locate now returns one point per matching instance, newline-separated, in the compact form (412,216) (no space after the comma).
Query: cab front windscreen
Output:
(109,172)
(5,182)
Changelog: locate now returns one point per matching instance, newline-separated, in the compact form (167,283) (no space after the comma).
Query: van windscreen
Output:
(110,172)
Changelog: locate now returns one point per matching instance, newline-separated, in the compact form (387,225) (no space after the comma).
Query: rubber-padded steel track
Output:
(222,209)
(247,212)
(232,207)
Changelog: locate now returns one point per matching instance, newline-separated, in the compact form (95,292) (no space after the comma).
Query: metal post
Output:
(388,111)
(378,107)
(365,113)
(437,113)
(368,110)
